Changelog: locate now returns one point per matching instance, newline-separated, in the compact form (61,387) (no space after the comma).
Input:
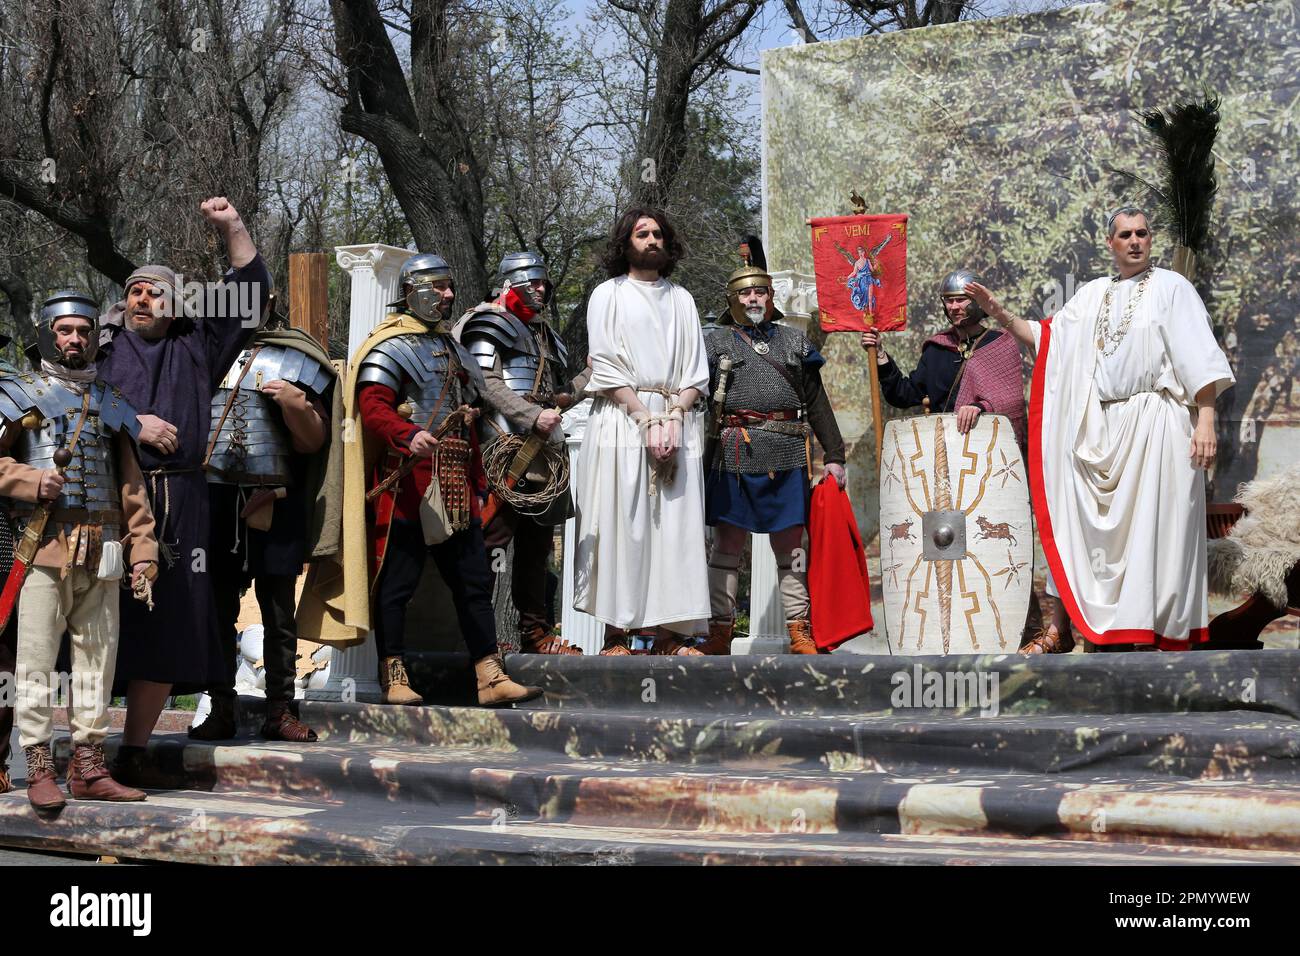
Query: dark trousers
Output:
(533,544)
(462,562)
(275,598)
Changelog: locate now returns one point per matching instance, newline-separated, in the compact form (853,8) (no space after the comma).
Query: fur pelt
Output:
(1264,545)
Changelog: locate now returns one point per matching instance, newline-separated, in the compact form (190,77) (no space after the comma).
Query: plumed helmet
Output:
(417,277)
(954,284)
(66,302)
(747,277)
(518,270)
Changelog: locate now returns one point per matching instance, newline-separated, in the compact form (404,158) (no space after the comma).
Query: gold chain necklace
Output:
(1108,339)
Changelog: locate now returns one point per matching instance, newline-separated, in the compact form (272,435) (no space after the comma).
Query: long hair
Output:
(620,238)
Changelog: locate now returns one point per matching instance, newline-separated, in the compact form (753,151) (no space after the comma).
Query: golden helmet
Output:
(747,277)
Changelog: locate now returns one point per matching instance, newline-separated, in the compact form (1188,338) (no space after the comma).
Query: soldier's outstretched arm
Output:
(1017,326)
(225,218)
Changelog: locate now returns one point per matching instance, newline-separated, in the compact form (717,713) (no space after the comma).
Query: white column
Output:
(373,268)
(577,627)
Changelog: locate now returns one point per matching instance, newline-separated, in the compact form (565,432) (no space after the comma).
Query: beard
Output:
(73,359)
(654,259)
(148,325)
(756,313)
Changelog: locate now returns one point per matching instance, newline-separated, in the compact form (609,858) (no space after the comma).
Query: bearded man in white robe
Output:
(1121,429)
(639,555)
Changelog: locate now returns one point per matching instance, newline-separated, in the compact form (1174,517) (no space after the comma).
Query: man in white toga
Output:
(640,564)
(1121,428)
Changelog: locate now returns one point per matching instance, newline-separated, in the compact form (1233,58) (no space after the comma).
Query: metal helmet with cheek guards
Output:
(748,277)
(518,271)
(64,303)
(954,286)
(418,294)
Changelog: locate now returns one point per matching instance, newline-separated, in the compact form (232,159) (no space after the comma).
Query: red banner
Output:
(861,268)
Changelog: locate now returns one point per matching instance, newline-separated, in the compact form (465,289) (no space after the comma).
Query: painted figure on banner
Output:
(167,350)
(266,461)
(1121,430)
(873,293)
(523,360)
(639,556)
(412,479)
(863,280)
(768,403)
(83,522)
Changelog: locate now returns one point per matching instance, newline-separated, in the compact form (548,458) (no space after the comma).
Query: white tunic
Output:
(1121,507)
(640,558)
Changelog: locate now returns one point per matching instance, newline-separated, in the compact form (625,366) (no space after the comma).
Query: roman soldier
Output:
(760,462)
(265,461)
(78,499)
(523,364)
(417,393)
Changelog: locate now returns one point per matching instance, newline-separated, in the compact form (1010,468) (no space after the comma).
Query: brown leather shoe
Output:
(1049,641)
(396,684)
(801,639)
(89,779)
(281,724)
(220,724)
(541,641)
(42,785)
(495,688)
(720,637)
(6,784)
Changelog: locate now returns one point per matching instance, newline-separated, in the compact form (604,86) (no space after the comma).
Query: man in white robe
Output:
(639,553)
(1121,428)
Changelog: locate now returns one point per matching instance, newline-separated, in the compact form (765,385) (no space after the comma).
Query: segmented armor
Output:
(415,368)
(493,332)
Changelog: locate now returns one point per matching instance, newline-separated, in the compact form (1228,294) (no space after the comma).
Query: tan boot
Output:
(89,779)
(801,639)
(42,785)
(720,635)
(395,684)
(495,688)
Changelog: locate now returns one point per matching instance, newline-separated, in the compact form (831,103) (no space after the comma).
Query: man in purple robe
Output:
(167,350)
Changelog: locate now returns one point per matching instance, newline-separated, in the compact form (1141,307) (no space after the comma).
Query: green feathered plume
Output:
(1186,137)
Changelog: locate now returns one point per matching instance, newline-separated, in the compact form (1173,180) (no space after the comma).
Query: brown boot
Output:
(42,786)
(719,640)
(220,724)
(395,684)
(89,779)
(540,641)
(495,688)
(281,724)
(801,639)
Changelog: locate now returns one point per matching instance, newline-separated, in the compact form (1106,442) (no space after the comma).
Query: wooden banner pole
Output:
(877,417)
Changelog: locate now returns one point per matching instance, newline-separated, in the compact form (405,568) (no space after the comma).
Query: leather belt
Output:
(76,516)
(745,416)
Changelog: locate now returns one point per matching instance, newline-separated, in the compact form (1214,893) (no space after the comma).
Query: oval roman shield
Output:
(956,537)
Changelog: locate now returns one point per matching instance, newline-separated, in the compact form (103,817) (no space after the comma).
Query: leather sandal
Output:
(282,724)
(540,642)
(1049,641)
(673,646)
(616,644)
(6,784)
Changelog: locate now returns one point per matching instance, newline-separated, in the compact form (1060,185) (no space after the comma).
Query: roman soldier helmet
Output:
(954,286)
(417,277)
(747,277)
(518,270)
(64,303)
(751,274)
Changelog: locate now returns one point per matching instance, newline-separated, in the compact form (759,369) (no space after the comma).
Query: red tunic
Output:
(378,406)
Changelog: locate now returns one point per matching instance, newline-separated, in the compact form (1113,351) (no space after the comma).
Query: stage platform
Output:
(1098,758)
